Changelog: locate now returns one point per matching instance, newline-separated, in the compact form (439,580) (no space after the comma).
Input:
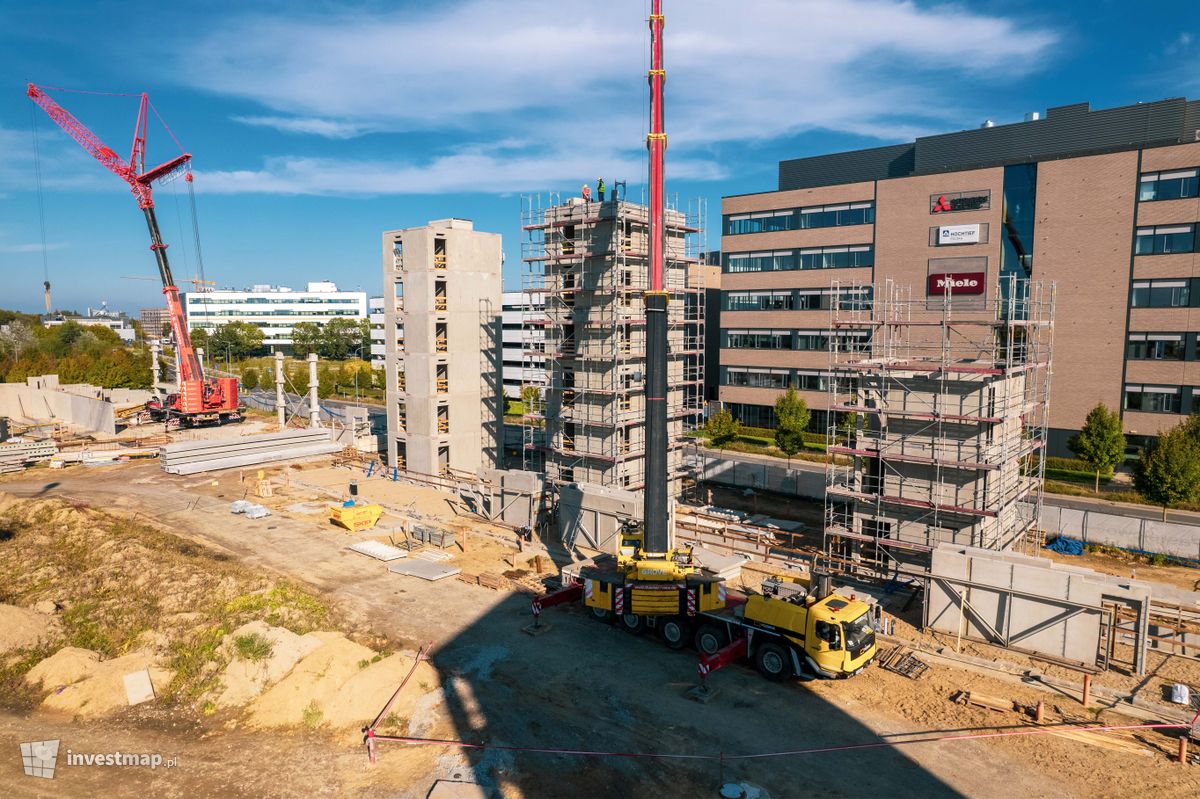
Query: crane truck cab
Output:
(794,627)
(830,637)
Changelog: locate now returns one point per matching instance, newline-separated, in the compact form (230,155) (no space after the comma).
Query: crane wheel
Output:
(633,623)
(772,662)
(600,614)
(709,638)
(674,632)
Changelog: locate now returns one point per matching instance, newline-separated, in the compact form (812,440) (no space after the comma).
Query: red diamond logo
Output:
(941,205)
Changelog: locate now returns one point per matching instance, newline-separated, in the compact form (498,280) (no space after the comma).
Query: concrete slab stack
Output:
(193,457)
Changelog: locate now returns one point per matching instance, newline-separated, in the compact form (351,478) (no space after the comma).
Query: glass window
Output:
(810,382)
(860,213)
(1143,347)
(758,301)
(1153,399)
(1164,240)
(1169,185)
(1160,294)
(764,378)
(758,339)
(812,341)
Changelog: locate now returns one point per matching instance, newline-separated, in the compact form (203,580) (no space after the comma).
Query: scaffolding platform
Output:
(939,422)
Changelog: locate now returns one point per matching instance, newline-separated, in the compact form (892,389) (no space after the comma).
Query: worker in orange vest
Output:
(587,193)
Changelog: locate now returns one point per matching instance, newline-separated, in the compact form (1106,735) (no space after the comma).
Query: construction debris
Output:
(984,701)
(250,510)
(193,457)
(901,660)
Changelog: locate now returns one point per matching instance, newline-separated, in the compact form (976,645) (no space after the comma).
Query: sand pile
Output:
(338,685)
(83,685)
(245,679)
(21,628)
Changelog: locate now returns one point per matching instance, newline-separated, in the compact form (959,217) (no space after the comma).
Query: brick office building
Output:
(1105,204)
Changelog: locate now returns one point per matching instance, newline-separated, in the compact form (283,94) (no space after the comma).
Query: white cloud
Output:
(467,172)
(26,248)
(329,128)
(515,94)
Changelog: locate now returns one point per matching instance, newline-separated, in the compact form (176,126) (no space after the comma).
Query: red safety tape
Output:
(791,753)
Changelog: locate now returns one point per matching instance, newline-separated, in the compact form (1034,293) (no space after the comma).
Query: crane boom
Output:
(655,513)
(196,396)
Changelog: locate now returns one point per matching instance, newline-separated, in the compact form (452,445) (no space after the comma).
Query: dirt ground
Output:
(581,685)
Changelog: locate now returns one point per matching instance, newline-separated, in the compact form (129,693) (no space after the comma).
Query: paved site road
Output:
(580,685)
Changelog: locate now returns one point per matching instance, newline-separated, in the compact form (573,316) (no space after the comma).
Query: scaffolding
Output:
(937,424)
(586,270)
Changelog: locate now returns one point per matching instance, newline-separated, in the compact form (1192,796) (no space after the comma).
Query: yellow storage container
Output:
(355,517)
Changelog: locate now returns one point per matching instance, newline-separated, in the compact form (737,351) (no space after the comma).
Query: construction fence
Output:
(1126,532)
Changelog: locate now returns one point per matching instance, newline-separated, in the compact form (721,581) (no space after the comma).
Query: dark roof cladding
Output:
(1065,132)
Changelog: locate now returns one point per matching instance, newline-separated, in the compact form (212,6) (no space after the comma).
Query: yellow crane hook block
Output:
(355,517)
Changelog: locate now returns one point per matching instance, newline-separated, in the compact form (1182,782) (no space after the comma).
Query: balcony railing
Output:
(443,425)
(439,261)
(443,385)
(441,344)
(440,303)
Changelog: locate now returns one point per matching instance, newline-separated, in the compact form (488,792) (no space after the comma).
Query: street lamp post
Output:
(358,356)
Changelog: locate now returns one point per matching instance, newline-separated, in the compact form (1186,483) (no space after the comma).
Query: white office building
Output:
(378,338)
(275,309)
(524,342)
(115,321)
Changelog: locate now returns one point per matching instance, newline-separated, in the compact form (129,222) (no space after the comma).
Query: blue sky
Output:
(315,126)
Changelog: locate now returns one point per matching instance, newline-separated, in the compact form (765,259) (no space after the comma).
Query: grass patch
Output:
(285,605)
(15,693)
(194,662)
(254,647)
(313,715)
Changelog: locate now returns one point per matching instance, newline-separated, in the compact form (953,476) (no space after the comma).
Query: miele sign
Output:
(957,283)
(951,202)
(959,234)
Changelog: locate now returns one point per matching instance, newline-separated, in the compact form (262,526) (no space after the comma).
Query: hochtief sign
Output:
(958,234)
(957,283)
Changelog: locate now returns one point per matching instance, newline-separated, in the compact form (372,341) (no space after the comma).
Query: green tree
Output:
(250,379)
(166,331)
(848,426)
(793,414)
(722,428)
(1169,469)
(306,338)
(236,340)
(364,326)
(532,397)
(340,338)
(326,382)
(200,339)
(1101,442)
(63,337)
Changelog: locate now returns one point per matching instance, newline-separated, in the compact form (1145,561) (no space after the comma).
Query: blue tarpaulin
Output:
(1067,546)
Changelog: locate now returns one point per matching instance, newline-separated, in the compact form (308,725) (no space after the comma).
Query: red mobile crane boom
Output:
(199,400)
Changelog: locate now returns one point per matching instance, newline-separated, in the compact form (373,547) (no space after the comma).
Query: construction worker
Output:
(587,193)
(600,188)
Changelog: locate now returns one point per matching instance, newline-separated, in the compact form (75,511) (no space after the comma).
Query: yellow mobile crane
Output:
(651,586)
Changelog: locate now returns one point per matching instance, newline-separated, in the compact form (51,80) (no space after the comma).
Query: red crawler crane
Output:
(199,401)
